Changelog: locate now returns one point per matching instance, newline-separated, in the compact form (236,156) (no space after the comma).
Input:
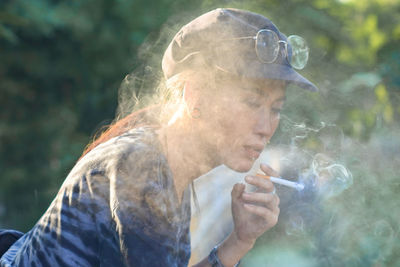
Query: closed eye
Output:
(252,102)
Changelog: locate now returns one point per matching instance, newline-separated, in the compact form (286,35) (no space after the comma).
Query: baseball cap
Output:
(215,39)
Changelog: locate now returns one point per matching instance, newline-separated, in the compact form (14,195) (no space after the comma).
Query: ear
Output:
(191,95)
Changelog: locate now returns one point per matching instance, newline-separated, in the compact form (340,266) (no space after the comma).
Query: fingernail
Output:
(249,178)
(264,165)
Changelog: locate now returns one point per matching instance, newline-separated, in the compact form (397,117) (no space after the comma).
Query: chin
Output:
(243,166)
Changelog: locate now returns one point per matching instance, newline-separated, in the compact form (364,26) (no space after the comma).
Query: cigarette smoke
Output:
(343,217)
(305,156)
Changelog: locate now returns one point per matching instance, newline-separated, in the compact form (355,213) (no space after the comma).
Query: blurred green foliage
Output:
(61,63)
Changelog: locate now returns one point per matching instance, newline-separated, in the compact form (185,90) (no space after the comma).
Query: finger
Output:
(277,210)
(270,201)
(278,200)
(237,191)
(268,170)
(260,198)
(270,216)
(260,182)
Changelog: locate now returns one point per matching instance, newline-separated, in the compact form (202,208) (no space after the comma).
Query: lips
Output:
(254,151)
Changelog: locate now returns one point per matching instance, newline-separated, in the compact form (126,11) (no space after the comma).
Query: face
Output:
(239,118)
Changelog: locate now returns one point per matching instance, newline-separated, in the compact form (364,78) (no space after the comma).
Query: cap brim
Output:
(258,70)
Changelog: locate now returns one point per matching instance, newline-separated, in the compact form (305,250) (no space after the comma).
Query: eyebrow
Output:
(262,92)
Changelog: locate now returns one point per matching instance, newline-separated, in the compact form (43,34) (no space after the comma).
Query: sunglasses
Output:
(268,46)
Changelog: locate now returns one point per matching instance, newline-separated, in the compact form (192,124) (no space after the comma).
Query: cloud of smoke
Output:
(344,215)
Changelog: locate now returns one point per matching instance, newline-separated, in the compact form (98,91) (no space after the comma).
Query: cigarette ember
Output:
(277,180)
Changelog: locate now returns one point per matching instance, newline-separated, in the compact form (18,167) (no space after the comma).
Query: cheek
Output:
(226,127)
(235,127)
(219,127)
(230,121)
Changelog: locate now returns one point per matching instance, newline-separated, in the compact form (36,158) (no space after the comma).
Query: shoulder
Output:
(137,150)
(139,145)
(130,158)
(121,162)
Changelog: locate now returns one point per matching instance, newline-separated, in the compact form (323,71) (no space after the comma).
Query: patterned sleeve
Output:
(116,208)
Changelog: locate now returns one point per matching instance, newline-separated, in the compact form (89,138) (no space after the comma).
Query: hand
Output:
(255,212)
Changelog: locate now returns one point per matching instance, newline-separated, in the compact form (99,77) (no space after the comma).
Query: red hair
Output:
(135,119)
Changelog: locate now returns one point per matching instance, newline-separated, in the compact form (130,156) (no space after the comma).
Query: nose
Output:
(266,124)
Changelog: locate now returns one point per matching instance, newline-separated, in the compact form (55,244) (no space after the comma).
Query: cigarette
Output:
(278,180)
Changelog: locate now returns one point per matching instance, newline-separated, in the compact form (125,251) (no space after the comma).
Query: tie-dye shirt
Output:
(117,207)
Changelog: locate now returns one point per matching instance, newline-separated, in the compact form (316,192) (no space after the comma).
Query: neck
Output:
(185,154)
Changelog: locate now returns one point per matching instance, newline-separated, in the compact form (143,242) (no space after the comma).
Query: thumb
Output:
(237,191)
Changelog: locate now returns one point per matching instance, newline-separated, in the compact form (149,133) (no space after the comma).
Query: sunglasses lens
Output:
(298,56)
(267,46)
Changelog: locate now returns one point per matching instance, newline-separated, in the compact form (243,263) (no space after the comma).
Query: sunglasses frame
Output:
(276,54)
